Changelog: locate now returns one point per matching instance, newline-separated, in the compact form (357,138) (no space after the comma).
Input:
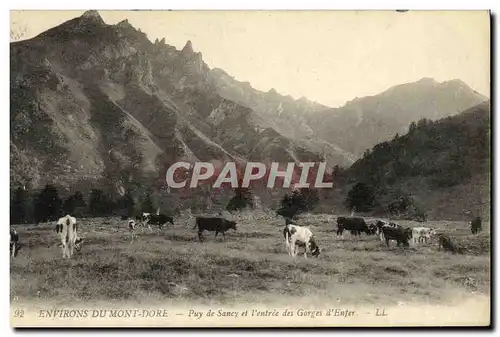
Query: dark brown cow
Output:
(475,225)
(355,225)
(447,244)
(399,234)
(217,225)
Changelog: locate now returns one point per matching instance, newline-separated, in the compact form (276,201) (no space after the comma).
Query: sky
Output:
(330,57)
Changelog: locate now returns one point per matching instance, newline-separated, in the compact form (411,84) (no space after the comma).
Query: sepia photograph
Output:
(252,168)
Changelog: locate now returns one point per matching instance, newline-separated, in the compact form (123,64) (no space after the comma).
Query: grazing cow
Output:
(300,236)
(160,219)
(447,244)
(372,229)
(67,229)
(145,217)
(217,225)
(14,242)
(355,225)
(380,224)
(399,234)
(422,234)
(475,225)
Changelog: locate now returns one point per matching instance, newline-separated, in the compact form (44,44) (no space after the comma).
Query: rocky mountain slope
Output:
(93,103)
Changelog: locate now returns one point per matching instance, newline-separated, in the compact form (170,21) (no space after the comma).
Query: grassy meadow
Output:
(250,266)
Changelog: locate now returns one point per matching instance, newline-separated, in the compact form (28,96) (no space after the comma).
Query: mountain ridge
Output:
(94,104)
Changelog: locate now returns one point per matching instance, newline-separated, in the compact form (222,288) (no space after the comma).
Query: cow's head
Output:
(313,247)
(78,244)
(408,232)
(372,229)
(231,224)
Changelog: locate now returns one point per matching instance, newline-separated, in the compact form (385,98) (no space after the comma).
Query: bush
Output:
(297,202)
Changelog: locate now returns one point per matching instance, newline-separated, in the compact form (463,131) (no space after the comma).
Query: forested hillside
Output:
(443,166)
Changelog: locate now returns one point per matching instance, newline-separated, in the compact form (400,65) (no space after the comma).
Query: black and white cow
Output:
(14,242)
(296,236)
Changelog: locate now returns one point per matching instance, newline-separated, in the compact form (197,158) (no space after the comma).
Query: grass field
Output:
(250,266)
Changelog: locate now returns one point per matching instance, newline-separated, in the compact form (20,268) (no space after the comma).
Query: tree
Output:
(73,202)
(20,210)
(422,123)
(147,204)
(243,198)
(126,204)
(400,205)
(361,198)
(298,201)
(47,205)
(413,127)
(100,204)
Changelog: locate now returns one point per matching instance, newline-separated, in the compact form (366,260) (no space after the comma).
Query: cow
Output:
(14,242)
(380,224)
(422,234)
(67,229)
(355,226)
(475,225)
(217,225)
(447,244)
(159,220)
(144,219)
(300,236)
(399,234)
(131,228)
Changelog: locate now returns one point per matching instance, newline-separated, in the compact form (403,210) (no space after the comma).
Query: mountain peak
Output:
(427,80)
(124,24)
(455,81)
(92,14)
(188,48)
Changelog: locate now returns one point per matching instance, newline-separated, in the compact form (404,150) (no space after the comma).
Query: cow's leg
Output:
(224,236)
(71,248)
(216,232)
(199,235)
(387,241)
(64,250)
(292,247)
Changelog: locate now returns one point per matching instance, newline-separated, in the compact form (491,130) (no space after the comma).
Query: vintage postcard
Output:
(250,168)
